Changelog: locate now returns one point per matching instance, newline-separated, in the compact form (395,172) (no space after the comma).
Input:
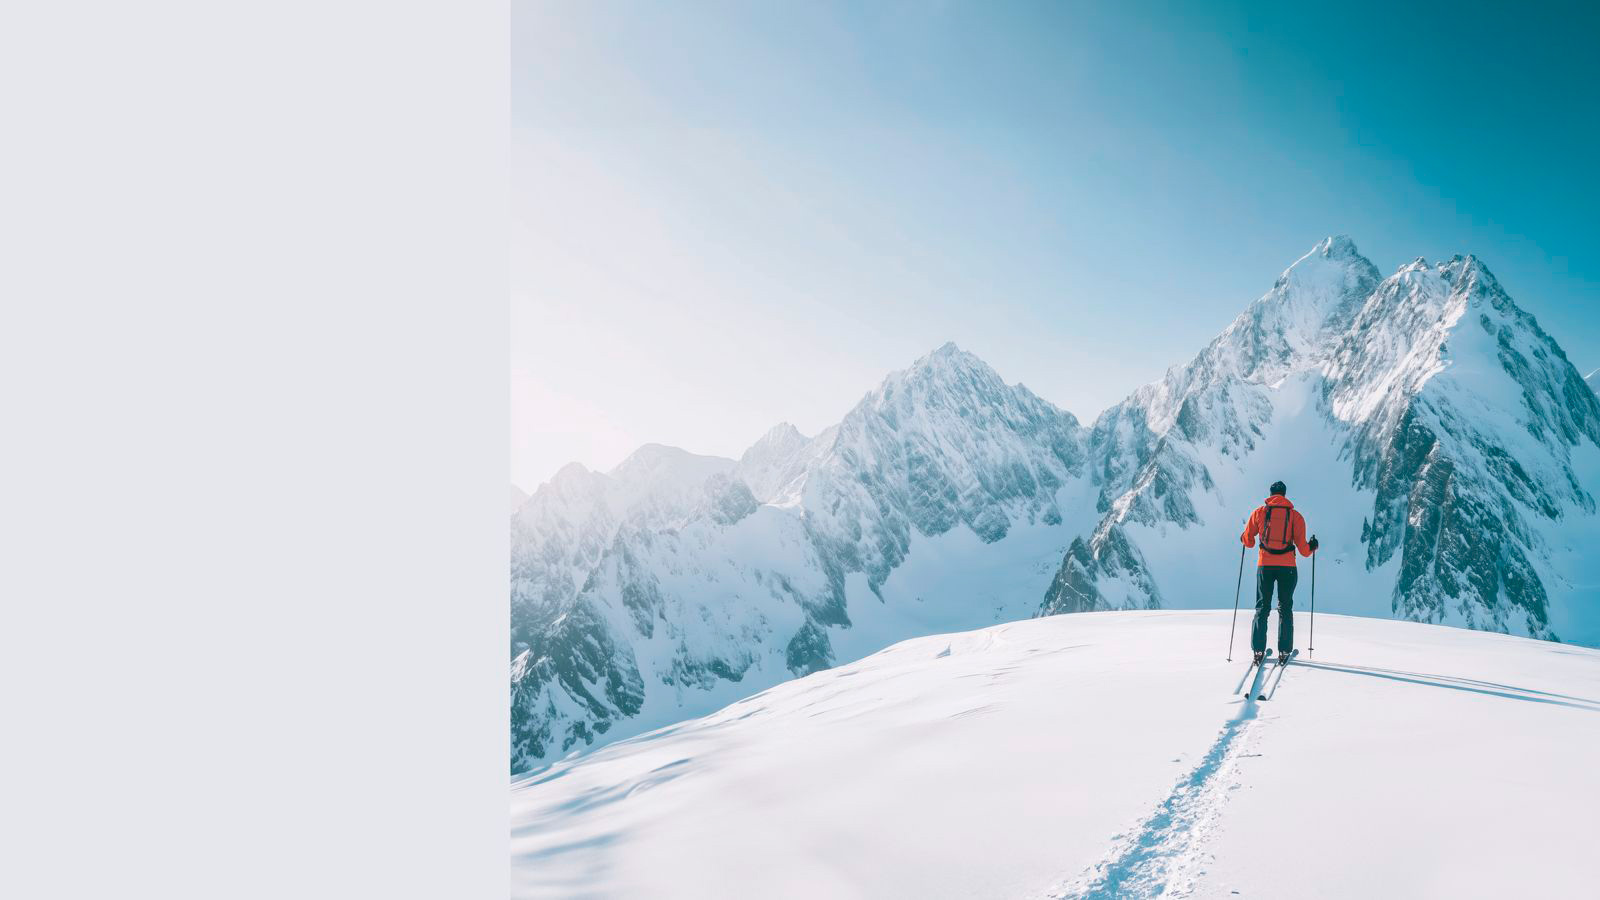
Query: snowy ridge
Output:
(1438,441)
(980,764)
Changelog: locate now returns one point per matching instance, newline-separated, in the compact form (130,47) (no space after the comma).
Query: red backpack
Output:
(1285,542)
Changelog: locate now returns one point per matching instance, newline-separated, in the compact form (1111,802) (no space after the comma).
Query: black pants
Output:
(1284,577)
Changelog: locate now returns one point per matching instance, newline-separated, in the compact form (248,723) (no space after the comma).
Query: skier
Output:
(1281,529)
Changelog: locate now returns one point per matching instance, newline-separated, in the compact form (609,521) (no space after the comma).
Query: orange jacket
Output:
(1283,512)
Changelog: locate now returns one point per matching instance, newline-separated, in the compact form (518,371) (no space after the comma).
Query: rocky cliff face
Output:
(1465,418)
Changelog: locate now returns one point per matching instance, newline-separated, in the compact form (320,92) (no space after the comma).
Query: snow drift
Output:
(1101,755)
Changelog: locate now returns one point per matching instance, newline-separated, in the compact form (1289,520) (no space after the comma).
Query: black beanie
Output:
(1278,488)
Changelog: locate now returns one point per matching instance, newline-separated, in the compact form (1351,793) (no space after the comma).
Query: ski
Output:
(1283,663)
(1244,683)
(1252,675)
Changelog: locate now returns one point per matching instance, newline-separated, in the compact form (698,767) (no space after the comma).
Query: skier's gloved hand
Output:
(1312,543)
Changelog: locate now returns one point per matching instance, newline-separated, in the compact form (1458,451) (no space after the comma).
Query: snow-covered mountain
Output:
(675,583)
(1439,443)
(1149,451)
(1101,755)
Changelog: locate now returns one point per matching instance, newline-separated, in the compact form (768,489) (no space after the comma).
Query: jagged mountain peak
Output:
(947,350)
(653,457)
(774,463)
(942,443)
(571,471)
(655,485)
(782,434)
(1336,246)
(1294,327)
(1320,279)
(573,483)
(660,484)
(781,442)
(953,381)
(948,364)
(1420,305)
(1470,272)
(653,467)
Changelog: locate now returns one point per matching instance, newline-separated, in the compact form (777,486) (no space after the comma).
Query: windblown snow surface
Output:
(1104,754)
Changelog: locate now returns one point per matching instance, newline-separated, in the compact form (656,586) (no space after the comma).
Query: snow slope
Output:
(1101,755)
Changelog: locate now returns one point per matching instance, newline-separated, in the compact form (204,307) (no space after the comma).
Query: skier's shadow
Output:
(1450,682)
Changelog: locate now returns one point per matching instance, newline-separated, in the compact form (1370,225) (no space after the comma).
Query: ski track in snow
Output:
(985,768)
(1164,855)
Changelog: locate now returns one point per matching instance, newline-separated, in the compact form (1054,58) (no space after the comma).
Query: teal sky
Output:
(728,215)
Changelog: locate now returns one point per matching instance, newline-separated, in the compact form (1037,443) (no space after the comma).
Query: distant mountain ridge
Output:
(673,574)
(1439,440)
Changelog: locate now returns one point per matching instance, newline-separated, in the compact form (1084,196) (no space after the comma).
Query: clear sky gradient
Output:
(730,215)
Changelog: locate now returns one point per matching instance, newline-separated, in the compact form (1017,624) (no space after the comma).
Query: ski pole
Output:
(1239,585)
(1313,601)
